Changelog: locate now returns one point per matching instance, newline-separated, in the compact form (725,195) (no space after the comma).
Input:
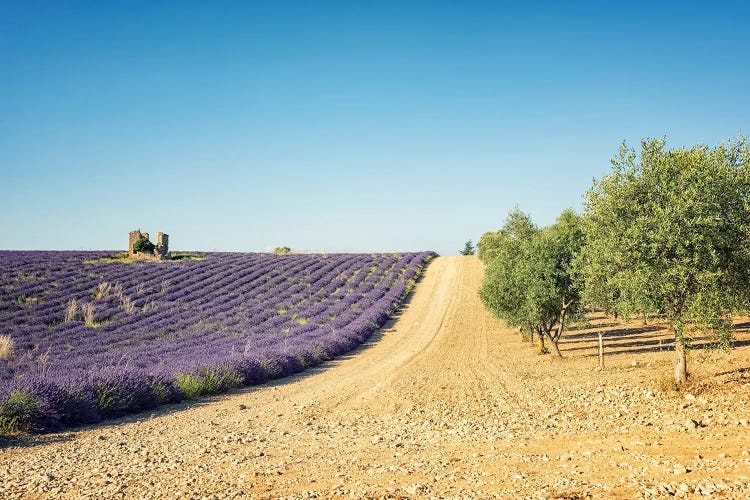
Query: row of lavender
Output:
(92,340)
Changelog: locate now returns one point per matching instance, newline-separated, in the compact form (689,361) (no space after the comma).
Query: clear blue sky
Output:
(341,126)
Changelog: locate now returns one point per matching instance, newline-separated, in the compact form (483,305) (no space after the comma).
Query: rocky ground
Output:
(445,403)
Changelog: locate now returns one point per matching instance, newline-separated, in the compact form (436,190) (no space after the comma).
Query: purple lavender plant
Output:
(150,333)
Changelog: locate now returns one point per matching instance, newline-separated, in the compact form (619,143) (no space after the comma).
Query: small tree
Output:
(502,291)
(143,245)
(468,248)
(282,250)
(530,281)
(668,233)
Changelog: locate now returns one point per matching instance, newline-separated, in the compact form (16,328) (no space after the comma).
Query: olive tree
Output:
(502,290)
(531,280)
(668,233)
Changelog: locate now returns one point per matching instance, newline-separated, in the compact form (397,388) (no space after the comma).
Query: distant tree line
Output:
(665,234)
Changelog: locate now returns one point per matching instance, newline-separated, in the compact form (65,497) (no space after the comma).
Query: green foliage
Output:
(303,360)
(220,380)
(143,245)
(518,226)
(282,250)
(160,391)
(124,258)
(187,256)
(206,382)
(530,280)
(109,400)
(18,412)
(189,385)
(468,248)
(502,290)
(668,232)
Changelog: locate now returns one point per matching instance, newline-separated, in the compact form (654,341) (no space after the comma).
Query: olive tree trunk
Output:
(542,348)
(555,347)
(680,363)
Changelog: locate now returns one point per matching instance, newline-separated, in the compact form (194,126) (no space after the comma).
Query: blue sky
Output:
(341,126)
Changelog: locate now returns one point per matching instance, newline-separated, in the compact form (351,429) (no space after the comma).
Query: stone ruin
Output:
(161,252)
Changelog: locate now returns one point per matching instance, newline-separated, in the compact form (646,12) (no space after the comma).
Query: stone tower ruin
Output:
(162,245)
(161,252)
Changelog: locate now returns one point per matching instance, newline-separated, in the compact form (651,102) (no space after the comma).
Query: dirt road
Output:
(444,403)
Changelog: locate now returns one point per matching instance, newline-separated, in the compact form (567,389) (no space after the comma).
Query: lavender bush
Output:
(98,340)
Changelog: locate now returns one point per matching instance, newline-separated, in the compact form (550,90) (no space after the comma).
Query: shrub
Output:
(6,346)
(88,314)
(103,291)
(61,403)
(143,245)
(206,382)
(71,310)
(161,391)
(282,250)
(19,412)
(122,391)
(189,385)
(127,304)
(220,380)
(75,377)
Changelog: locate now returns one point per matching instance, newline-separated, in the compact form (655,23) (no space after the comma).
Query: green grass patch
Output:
(18,412)
(124,258)
(205,382)
(23,299)
(189,385)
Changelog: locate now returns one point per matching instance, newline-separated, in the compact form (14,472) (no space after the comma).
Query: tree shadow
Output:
(637,345)
(69,433)
(738,371)
(642,348)
(619,338)
(577,328)
(619,332)
(29,440)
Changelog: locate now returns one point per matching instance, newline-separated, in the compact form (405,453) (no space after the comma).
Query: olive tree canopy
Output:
(530,280)
(668,233)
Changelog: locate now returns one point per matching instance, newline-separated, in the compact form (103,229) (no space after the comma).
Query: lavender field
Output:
(84,340)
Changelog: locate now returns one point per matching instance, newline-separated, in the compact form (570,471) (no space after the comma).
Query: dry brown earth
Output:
(446,403)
